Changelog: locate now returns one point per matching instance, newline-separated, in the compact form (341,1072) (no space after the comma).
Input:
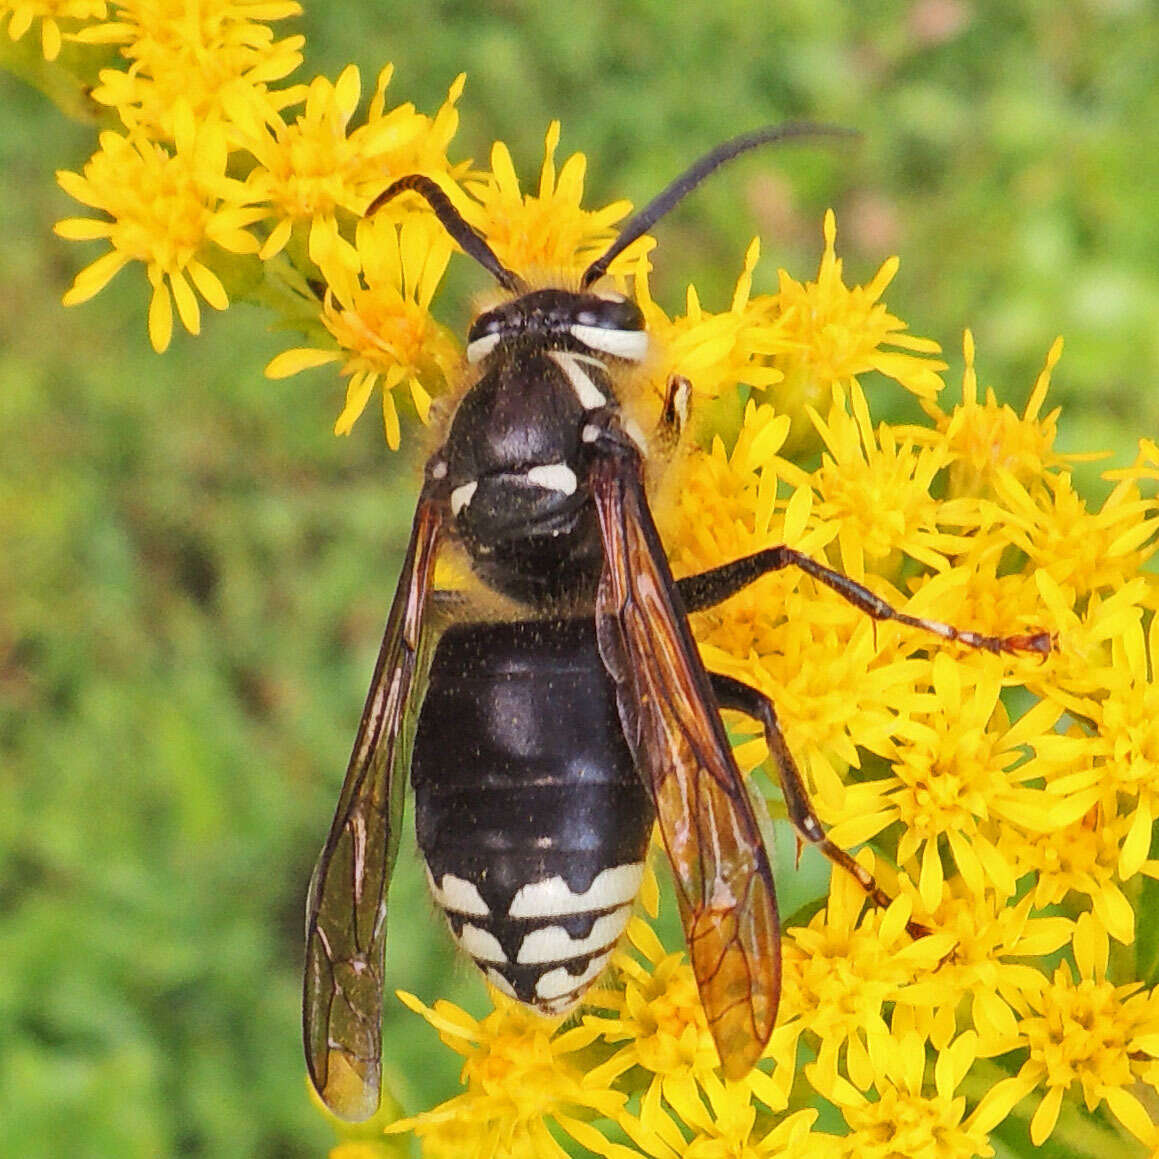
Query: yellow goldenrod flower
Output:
(984,978)
(877,493)
(1128,717)
(830,333)
(174,210)
(843,972)
(203,56)
(379,318)
(714,352)
(723,1123)
(22,14)
(656,1022)
(1083,1031)
(906,1118)
(523,1080)
(986,439)
(955,780)
(1081,858)
(546,233)
(315,167)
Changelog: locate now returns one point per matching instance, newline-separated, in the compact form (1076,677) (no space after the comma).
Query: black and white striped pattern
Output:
(534,829)
(552,943)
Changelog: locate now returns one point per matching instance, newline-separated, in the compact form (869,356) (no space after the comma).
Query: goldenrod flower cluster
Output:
(1007,802)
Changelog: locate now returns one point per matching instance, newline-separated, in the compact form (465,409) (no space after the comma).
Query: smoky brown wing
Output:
(346,905)
(723,879)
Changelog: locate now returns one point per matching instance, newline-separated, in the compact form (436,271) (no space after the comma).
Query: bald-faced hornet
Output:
(542,747)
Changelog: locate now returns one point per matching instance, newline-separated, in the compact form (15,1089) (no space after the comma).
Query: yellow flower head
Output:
(832,333)
(986,438)
(1085,1032)
(175,210)
(909,1117)
(380,320)
(843,974)
(523,1079)
(715,352)
(546,232)
(316,167)
(205,56)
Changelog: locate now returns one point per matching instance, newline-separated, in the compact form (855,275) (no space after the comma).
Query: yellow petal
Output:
(160,317)
(208,285)
(299,359)
(94,278)
(82,229)
(187,308)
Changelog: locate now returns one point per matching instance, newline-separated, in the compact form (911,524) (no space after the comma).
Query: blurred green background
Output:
(195,572)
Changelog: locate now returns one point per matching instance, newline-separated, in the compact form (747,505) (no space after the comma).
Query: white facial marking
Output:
(500,983)
(554,944)
(481,347)
(612,887)
(458,895)
(590,433)
(482,945)
(629,344)
(556,984)
(439,470)
(462,495)
(589,395)
(553,477)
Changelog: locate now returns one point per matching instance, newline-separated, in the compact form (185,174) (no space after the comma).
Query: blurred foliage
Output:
(195,572)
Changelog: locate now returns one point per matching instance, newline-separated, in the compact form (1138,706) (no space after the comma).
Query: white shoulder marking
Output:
(612,887)
(590,396)
(482,945)
(554,944)
(552,477)
(462,495)
(556,984)
(629,344)
(457,895)
(481,347)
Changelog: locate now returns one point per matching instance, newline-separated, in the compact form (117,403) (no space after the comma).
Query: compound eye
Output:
(611,326)
(485,325)
(610,313)
(624,315)
(484,336)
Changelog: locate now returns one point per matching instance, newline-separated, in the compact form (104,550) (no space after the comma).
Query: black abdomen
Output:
(529,811)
